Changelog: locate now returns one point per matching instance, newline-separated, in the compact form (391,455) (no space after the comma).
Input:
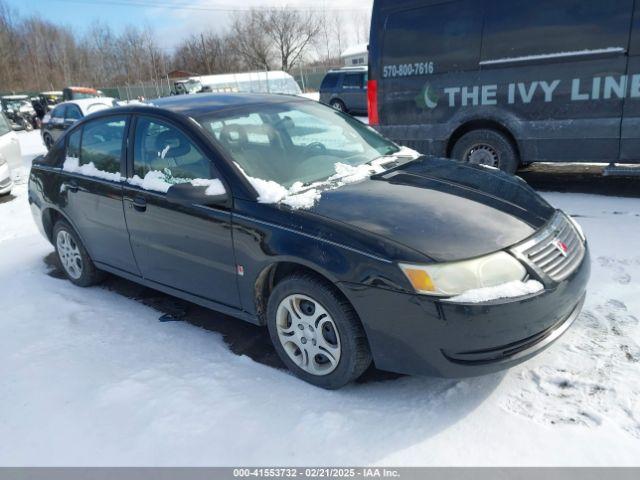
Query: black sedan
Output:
(286,213)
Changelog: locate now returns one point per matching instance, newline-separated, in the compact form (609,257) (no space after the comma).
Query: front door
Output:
(188,248)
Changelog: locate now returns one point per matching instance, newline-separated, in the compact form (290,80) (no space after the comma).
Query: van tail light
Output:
(372,102)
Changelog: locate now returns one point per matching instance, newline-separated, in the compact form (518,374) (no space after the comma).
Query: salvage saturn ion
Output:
(283,212)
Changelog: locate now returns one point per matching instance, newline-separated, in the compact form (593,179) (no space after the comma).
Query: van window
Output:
(448,35)
(102,142)
(330,81)
(520,28)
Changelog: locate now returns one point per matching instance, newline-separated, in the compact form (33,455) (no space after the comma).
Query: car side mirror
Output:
(186,194)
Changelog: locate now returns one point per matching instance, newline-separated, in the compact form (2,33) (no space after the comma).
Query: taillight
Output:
(372,102)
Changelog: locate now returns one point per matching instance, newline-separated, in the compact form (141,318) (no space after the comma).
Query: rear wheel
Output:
(338,105)
(487,147)
(73,258)
(316,332)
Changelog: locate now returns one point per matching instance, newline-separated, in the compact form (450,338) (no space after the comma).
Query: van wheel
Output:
(316,332)
(338,105)
(487,147)
(73,258)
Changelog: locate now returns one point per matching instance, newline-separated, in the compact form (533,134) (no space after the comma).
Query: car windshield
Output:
(295,142)
(13,104)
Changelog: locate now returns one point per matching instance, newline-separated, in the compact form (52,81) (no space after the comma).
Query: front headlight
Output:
(455,278)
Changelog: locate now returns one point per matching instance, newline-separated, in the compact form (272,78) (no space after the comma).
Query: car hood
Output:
(443,209)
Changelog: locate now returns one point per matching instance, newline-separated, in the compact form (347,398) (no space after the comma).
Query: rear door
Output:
(93,190)
(188,248)
(630,137)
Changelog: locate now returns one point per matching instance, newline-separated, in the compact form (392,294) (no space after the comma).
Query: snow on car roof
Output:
(90,105)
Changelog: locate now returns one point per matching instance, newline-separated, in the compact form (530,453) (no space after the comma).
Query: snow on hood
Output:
(301,196)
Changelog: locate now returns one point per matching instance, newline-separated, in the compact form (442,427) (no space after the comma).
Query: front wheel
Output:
(73,258)
(487,147)
(316,332)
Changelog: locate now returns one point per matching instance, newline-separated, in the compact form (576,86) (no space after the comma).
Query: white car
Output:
(10,154)
(66,114)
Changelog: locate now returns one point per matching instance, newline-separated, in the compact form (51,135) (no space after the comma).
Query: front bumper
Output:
(419,335)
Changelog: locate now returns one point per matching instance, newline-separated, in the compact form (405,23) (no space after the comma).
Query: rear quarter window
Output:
(445,35)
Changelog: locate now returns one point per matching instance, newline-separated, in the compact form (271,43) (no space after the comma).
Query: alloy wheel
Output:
(308,334)
(69,254)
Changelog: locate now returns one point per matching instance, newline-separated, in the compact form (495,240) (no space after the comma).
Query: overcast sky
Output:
(172,20)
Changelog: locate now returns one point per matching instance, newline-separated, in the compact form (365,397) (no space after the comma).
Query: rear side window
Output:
(163,148)
(445,35)
(353,80)
(102,143)
(520,28)
(4,125)
(330,81)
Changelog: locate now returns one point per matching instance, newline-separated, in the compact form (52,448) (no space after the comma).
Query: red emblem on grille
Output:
(561,247)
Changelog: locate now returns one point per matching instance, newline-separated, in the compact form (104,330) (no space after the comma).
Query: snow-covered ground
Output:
(91,377)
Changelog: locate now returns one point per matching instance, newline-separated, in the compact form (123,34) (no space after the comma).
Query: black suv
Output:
(346,90)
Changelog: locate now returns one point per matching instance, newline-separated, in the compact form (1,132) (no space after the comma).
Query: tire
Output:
(487,147)
(338,105)
(337,335)
(73,258)
(48,141)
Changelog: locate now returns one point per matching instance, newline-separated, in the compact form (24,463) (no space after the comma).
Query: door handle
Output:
(140,204)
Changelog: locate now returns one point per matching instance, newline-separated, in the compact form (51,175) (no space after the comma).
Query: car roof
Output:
(199,104)
(14,97)
(85,103)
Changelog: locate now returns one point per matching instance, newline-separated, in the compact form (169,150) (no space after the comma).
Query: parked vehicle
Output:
(66,114)
(262,207)
(248,82)
(45,101)
(20,112)
(10,154)
(508,83)
(80,93)
(186,87)
(346,90)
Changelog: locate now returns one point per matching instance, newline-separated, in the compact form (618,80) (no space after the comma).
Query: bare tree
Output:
(291,32)
(250,40)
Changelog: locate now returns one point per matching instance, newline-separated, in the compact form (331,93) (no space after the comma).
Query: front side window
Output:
(58,113)
(295,142)
(73,113)
(162,149)
(102,143)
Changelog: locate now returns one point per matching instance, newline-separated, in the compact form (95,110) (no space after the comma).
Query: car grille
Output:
(555,251)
